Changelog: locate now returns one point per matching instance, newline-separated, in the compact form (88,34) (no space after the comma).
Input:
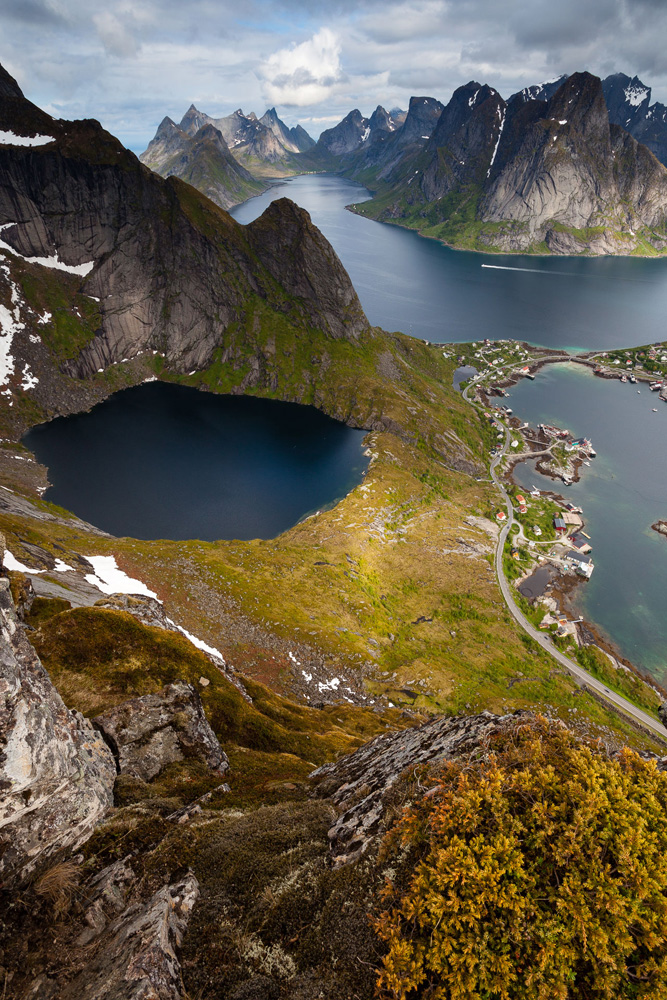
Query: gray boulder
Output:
(137,960)
(56,773)
(358,783)
(146,734)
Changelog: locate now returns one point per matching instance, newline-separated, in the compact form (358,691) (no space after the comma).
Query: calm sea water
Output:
(421,287)
(622,493)
(166,461)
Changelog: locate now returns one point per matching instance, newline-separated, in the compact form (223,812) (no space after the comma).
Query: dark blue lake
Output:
(167,461)
(423,288)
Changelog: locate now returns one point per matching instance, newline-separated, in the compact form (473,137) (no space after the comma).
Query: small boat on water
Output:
(654,410)
(623,378)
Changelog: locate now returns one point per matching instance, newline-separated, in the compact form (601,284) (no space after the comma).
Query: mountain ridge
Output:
(261,148)
(529,175)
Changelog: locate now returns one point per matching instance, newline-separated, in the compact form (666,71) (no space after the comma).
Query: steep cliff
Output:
(170,271)
(56,772)
(538,173)
(629,104)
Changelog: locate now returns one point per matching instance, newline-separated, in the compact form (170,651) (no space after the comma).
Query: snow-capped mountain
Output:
(629,104)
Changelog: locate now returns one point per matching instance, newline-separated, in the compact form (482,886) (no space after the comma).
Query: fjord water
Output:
(420,287)
(622,493)
(167,461)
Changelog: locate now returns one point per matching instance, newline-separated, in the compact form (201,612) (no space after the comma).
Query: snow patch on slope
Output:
(111,580)
(635,95)
(500,132)
(52,262)
(11,139)
(10,323)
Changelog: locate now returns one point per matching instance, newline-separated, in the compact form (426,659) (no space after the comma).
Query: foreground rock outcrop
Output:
(137,960)
(146,734)
(360,783)
(56,772)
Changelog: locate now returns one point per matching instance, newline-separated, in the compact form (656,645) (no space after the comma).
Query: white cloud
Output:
(114,35)
(303,74)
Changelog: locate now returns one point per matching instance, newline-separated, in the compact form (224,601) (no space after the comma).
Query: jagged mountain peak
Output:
(421,119)
(192,120)
(631,89)
(629,105)
(539,91)
(347,136)
(8,85)
(166,125)
(579,102)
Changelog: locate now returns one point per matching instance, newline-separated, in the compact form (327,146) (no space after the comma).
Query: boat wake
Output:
(564,274)
(529,270)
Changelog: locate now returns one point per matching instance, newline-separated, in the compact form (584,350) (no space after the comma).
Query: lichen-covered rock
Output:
(56,773)
(105,897)
(145,734)
(138,959)
(358,783)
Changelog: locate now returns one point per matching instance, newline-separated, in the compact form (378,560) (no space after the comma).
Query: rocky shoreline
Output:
(660,527)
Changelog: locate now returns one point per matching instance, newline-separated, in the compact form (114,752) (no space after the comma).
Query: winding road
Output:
(578,672)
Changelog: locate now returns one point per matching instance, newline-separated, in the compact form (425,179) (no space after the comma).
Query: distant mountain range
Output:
(226,158)
(548,171)
(566,166)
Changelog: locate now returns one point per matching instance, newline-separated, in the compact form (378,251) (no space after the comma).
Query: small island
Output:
(660,527)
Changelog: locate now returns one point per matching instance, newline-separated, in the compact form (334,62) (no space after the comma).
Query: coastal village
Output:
(548,550)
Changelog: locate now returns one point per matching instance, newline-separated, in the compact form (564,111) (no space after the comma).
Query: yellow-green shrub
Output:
(539,873)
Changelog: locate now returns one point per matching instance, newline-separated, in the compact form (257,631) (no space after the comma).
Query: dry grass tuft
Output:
(58,884)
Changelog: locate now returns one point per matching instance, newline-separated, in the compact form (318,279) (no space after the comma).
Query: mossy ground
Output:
(394,585)
(98,658)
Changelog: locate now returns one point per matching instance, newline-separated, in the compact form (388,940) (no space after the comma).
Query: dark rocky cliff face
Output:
(464,140)
(346,137)
(629,104)
(545,171)
(172,271)
(567,165)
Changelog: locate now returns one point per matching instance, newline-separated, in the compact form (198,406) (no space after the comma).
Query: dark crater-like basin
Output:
(167,461)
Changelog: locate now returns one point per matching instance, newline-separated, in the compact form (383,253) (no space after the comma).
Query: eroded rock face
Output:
(358,783)
(138,960)
(171,273)
(56,773)
(146,734)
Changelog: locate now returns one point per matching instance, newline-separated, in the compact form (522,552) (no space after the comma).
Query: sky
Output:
(129,63)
